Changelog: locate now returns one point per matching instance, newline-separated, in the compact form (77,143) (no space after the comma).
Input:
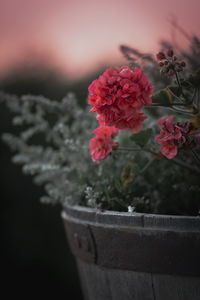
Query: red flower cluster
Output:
(118,97)
(103,143)
(174,135)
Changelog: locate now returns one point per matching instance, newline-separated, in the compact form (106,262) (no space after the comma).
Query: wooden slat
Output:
(169,287)
(107,284)
(94,282)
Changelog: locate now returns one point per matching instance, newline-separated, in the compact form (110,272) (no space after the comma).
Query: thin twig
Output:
(178,81)
(196,156)
(178,110)
(177,162)
(182,111)
(167,105)
(185,165)
(127,149)
(147,165)
(174,160)
(175,96)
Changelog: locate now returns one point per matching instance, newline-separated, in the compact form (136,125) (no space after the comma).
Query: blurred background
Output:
(51,47)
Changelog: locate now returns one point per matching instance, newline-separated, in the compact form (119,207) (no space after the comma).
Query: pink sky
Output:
(78,35)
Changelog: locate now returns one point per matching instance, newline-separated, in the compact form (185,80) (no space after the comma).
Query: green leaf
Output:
(106,193)
(163,97)
(142,137)
(117,184)
(175,90)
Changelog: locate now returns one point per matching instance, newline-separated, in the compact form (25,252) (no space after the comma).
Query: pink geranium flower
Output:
(169,137)
(118,97)
(103,143)
(173,136)
(169,131)
(169,149)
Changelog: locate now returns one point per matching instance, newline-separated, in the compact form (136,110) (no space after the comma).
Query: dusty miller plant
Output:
(51,144)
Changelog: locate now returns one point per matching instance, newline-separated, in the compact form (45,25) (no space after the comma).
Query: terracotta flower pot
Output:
(135,256)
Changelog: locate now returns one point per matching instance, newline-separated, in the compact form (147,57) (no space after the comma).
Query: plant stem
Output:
(182,111)
(174,160)
(168,105)
(128,149)
(178,110)
(185,165)
(178,81)
(196,156)
(147,165)
(178,162)
(175,96)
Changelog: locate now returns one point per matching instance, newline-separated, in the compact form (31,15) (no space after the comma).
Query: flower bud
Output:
(171,72)
(174,58)
(183,64)
(164,69)
(160,56)
(160,64)
(170,52)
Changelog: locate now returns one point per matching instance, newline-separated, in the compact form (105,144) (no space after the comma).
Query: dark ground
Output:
(35,257)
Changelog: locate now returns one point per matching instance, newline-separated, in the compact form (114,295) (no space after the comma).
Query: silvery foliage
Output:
(53,144)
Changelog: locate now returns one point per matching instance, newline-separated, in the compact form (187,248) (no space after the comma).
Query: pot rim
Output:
(126,219)
(133,241)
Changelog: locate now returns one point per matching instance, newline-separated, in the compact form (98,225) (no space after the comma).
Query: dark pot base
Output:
(111,284)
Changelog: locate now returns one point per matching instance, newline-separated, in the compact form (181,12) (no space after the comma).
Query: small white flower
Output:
(131,209)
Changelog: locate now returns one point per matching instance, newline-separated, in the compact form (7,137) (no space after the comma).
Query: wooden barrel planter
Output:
(123,256)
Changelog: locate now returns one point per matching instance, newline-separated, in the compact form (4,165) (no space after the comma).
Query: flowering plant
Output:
(118,97)
(144,156)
